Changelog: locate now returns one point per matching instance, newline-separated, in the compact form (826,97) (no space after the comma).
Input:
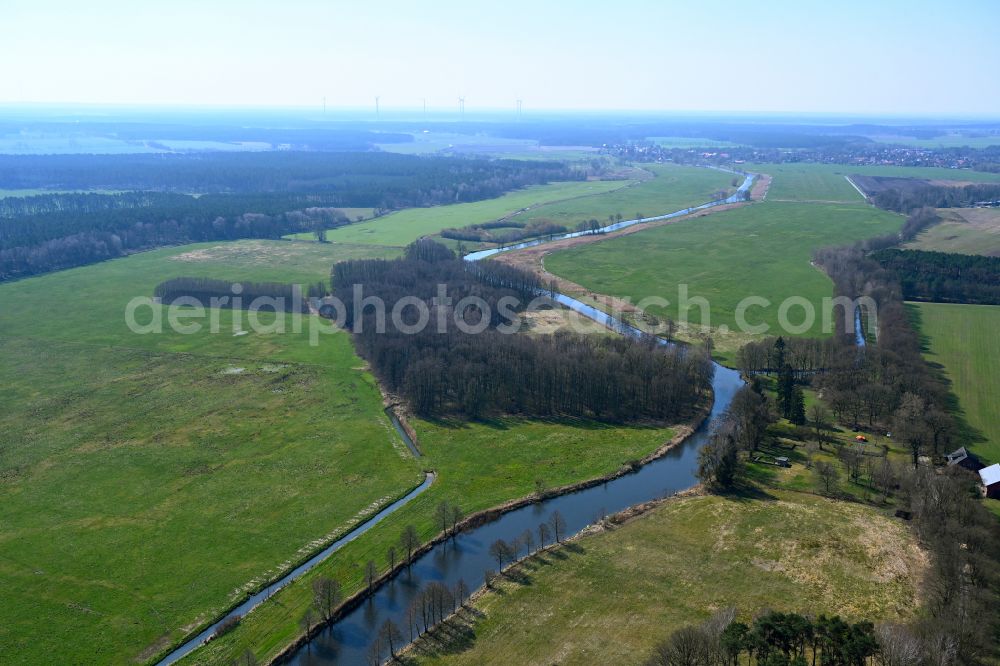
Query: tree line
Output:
(513,231)
(773,639)
(904,200)
(274,296)
(371,178)
(56,231)
(944,277)
(802,355)
(448,371)
(889,386)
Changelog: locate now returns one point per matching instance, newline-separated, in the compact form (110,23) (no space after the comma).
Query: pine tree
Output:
(798,411)
(786,391)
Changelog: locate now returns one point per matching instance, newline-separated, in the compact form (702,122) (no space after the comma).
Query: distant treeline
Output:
(477,374)
(944,277)
(905,198)
(42,243)
(55,231)
(224,294)
(84,202)
(387,180)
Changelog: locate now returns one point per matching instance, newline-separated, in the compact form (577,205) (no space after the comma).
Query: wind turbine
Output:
(461,106)
(519,103)
(376,107)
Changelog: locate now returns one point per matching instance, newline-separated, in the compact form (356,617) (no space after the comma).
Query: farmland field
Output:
(826,182)
(962,339)
(568,204)
(673,188)
(609,597)
(180,469)
(759,250)
(963,231)
(406,226)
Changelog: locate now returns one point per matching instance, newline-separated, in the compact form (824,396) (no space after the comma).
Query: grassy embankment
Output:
(174,480)
(609,597)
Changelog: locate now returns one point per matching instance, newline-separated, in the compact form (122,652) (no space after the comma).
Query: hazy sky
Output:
(871,56)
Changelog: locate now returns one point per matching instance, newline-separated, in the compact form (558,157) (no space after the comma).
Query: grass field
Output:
(964,231)
(673,188)
(611,596)
(404,227)
(146,480)
(759,250)
(944,141)
(480,465)
(962,339)
(177,470)
(826,182)
(570,203)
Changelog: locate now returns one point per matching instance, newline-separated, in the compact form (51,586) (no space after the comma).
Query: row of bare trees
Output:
(481,368)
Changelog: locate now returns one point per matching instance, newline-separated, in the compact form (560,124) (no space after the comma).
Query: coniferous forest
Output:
(248,195)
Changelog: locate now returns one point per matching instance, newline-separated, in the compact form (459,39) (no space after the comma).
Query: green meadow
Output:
(480,465)
(405,226)
(568,204)
(827,182)
(178,472)
(962,339)
(610,597)
(762,250)
(673,188)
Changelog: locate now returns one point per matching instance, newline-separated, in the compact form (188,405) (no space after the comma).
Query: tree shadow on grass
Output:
(506,422)
(452,637)
(968,434)
(748,492)
(458,633)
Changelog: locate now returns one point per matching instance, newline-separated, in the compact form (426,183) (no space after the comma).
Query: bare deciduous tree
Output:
(326,596)
(410,542)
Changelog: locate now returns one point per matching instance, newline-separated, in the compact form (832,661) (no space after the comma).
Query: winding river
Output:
(467,556)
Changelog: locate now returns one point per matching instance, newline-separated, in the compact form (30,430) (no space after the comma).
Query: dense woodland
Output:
(889,385)
(478,374)
(886,386)
(270,195)
(944,277)
(903,195)
(369,178)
